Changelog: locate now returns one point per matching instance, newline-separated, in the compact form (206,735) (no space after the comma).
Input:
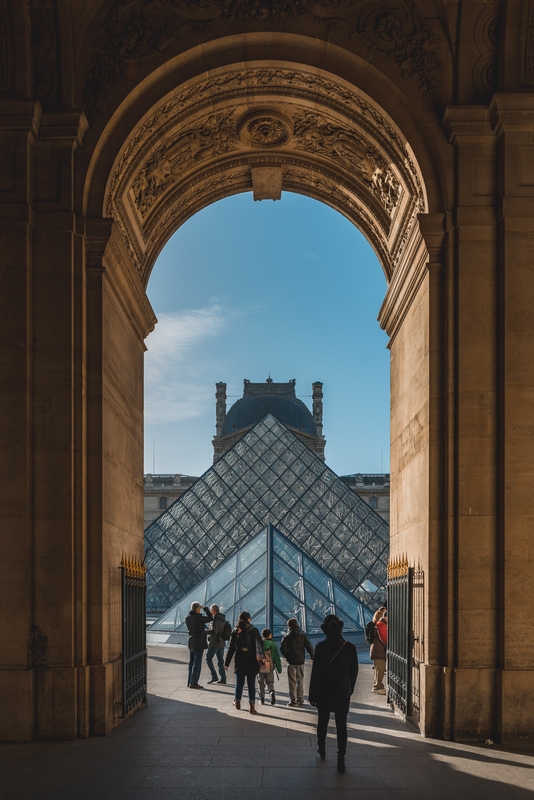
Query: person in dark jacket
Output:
(246,645)
(197,641)
(333,677)
(216,645)
(294,643)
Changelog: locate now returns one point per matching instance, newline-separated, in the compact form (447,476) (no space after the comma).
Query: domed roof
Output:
(260,399)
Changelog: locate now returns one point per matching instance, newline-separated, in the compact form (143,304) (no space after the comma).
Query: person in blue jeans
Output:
(216,645)
(247,646)
(197,642)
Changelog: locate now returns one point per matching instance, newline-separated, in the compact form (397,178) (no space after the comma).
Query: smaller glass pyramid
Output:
(273,580)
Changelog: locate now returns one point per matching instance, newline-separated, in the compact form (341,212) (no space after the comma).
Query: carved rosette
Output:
(265,128)
(200,145)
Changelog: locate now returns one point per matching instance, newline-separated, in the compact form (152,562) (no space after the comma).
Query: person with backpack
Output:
(219,634)
(377,637)
(271,662)
(247,647)
(332,682)
(294,642)
(197,642)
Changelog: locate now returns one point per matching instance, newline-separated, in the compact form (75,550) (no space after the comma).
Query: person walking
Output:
(247,647)
(294,643)
(378,650)
(197,642)
(332,682)
(272,656)
(216,645)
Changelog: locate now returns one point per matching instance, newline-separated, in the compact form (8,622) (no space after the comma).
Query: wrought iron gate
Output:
(405,635)
(134,655)
(399,636)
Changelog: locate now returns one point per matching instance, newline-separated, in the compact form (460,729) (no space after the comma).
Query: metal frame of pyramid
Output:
(269,475)
(273,580)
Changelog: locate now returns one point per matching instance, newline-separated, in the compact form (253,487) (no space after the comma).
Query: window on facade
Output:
(162,503)
(373,502)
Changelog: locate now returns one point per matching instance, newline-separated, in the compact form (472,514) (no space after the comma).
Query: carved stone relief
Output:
(525,43)
(133,33)
(315,134)
(201,145)
(45,48)
(239,83)
(265,129)
(487,35)
(7,38)
(214,136)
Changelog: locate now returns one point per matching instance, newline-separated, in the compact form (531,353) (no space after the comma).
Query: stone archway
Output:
(267,128)
(413,121)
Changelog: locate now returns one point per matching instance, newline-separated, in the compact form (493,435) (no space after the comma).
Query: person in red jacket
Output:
(379,650)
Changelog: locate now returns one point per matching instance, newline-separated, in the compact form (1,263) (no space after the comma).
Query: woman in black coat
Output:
(247,645)
(333,677)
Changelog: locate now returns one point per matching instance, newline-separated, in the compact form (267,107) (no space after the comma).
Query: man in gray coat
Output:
(216,645)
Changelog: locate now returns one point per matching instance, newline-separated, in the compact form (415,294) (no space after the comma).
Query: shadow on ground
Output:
(194,745)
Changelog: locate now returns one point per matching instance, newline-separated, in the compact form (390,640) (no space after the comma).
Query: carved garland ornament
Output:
(135,32)
(237,83)
(157,161)
(222,133)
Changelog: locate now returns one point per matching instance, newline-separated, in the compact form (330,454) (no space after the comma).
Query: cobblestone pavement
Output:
(193,745)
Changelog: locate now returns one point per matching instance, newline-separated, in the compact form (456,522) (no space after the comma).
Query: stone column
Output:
(513,120)
(23,645)
(119,317)
(473,620)
(60,535)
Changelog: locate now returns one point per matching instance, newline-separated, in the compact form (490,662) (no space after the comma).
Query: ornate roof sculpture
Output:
(260,399)
(269,475)
(273,580)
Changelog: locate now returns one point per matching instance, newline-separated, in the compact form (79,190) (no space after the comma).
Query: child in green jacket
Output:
(271,652)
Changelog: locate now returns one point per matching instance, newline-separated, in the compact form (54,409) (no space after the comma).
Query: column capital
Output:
(468,125)
(433,228)
(20,115)
(97,235)
(512,112)
(64,126)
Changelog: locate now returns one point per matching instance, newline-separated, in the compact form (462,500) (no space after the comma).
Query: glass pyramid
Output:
(268,476)
(273,580)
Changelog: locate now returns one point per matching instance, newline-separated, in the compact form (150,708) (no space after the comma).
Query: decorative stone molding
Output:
(132,34)
(265,128)
(46,51)
(201,143)
(487,35)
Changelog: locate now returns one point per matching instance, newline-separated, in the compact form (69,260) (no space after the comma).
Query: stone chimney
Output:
(220,407)
(317,395)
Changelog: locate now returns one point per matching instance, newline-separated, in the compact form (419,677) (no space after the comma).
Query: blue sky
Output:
(244,289)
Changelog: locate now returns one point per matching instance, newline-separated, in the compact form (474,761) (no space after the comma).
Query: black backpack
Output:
(226,631)
(370,632)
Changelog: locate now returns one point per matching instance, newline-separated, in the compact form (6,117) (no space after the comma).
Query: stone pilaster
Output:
(23,646)
(513,121)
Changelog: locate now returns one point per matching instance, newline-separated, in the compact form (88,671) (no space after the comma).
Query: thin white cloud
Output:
(178,370)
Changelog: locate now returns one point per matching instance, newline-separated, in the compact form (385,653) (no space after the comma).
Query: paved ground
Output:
(193,745)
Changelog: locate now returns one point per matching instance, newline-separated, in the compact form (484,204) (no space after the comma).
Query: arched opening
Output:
(367,107)
(268,129)
(267,291)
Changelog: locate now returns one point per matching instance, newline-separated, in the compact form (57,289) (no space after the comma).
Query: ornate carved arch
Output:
(315,134)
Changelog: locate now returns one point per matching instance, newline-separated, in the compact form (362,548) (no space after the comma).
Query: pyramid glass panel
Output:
(217,516)
(271,591)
